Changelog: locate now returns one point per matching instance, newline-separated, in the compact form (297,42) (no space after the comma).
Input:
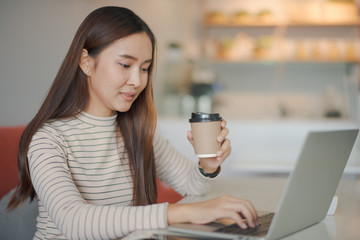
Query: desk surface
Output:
(265,194)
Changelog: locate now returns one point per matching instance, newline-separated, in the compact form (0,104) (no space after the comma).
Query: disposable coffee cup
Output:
(205,129)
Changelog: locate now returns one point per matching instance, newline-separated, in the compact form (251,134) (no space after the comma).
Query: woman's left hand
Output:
(210,165)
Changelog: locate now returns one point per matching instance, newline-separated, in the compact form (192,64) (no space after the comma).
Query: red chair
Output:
(166,193)
(9,143)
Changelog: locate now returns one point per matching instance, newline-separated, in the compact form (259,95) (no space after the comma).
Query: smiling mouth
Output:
(128,96)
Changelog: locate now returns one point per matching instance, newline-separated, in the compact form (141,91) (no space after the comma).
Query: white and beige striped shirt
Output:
(83,183)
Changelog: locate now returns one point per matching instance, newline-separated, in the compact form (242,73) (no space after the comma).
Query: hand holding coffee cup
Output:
(205,128)
(208,137)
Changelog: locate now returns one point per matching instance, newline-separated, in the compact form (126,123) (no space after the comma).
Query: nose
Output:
(134,79)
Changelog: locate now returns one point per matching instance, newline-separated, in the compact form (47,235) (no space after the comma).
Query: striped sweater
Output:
(83,183)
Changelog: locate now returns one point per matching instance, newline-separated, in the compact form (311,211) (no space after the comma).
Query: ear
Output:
(84,63)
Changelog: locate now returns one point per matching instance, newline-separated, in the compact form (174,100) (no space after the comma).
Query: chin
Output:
(123,106)
(123,109)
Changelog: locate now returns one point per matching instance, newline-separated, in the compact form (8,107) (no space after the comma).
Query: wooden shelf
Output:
(284,24)
(280,34)
(325,24)
(276,61)
(253,24)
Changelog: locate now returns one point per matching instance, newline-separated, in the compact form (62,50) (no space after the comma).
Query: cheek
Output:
(113,79)
(145,82)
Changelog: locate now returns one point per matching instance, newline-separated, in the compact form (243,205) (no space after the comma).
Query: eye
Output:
(124,65)
(144,69)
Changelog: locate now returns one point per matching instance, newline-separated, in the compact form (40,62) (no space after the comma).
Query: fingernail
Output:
(244,226)
(220,139)
(219,153)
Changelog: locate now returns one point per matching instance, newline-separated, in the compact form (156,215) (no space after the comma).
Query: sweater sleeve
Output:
(181,173)
(71,214)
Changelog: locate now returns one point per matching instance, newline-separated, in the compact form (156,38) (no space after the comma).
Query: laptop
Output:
(307,196)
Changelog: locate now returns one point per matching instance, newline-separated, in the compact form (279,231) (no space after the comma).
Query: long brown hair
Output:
(69,95)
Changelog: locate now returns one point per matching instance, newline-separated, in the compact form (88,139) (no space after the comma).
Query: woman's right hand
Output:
(239,210)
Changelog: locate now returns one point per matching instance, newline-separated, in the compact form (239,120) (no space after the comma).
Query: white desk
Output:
(265,194)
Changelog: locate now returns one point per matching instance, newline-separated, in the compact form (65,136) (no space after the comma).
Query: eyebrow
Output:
(134,58)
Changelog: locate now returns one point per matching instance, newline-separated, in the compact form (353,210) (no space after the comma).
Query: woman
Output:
(91,155)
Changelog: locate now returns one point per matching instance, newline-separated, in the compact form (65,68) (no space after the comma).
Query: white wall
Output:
(35,36)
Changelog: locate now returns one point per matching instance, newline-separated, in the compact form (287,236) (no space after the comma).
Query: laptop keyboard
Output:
(262,229)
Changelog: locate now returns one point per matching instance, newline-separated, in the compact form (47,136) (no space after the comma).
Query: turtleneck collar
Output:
(97,121)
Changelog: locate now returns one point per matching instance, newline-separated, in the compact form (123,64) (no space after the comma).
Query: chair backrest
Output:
(166,193)
(9,143)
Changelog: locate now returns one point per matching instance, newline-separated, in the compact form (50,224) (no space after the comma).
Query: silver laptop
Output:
(307,195)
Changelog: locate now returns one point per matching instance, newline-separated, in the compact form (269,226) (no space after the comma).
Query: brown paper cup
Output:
(204,136)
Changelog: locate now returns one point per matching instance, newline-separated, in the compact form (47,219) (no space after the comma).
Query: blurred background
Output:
(274,69)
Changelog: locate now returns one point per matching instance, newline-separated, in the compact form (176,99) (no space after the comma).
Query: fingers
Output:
(223,123)
(224,131)
(222,136)
(238,210)
(225,148)
(244,211)
(190,137)
(224,151)
(237,219)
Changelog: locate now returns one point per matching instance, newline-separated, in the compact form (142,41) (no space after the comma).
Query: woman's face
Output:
(118,75)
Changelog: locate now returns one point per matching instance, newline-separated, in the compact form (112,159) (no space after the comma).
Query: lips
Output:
(128,96)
